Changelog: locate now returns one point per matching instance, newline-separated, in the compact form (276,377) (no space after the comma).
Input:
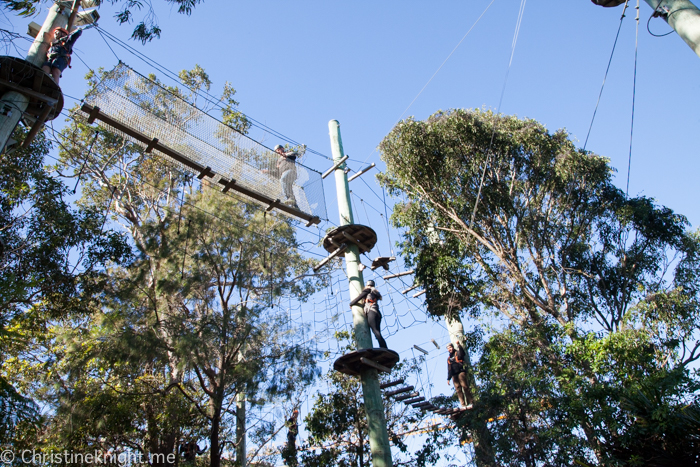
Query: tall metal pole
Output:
(683,17)
(13,104)
(241,449)
(374,407)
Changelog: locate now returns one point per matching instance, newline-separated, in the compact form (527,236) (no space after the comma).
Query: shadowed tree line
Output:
(162,340)
(592,295)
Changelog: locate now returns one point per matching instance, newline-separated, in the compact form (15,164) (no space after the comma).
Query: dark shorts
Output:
(59,62)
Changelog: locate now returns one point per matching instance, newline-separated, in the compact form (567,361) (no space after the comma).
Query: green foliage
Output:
(189,328)
(15,410)
(145,30)
(598,291)
(53,264)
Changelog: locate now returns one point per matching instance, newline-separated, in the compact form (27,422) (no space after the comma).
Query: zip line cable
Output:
(521,12)
(99,30)
(438,70)
(612,53)
(634,94)
(445,61)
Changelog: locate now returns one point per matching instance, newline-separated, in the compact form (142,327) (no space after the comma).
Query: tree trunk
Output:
(240,430)
(481,436)
(215,449)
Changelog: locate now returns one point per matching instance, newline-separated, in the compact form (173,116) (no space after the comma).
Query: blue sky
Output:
(297,65)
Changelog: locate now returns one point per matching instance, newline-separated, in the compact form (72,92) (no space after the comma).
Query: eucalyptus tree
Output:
(190,332)
(598,291)
(52,265)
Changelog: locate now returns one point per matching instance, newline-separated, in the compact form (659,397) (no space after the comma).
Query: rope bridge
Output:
(165,124)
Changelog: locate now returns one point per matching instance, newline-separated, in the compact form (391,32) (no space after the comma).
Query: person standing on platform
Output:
(59,53)
(287,168)
(456,373)
(371,296)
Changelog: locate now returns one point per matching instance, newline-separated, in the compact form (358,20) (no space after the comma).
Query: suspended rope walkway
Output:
(165,124)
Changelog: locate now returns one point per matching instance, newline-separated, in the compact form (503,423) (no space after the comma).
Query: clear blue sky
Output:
(296,65)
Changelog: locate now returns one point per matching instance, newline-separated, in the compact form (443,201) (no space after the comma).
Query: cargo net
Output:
(166,124)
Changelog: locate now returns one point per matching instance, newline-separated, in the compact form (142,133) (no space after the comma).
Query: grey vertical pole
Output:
(374,406)
(13,104)
(241,450)
(683,17)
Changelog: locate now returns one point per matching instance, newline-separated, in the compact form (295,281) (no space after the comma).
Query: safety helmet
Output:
(279,146)
(370,283)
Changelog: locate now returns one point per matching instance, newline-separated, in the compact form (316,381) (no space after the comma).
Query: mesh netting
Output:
(139,103)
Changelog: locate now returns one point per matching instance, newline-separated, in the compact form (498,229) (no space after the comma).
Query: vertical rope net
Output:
(141,104)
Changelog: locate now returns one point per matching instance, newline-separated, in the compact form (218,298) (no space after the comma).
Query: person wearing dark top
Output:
(456,373)
(60,50)
(287,168)
(289,451)
(371,296)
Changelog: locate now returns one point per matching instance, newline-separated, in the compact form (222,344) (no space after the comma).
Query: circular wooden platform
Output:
(338,236)
(21,76)
(352,363)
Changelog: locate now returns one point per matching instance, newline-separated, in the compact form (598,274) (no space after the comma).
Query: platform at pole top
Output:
(25,78)
(352,364)
(343,234)
(229,158)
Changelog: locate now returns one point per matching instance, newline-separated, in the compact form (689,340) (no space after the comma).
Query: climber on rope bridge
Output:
(371,297)
(60,50)
(456,373)
(287,169)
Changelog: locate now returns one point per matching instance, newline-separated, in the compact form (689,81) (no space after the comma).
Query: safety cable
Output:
(500,102)
(634,94)
(612,53)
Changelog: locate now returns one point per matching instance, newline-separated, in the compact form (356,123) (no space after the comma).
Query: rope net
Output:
(139,103)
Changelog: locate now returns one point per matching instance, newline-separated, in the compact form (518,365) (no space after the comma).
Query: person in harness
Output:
(59,53)
(289,451)
(287,168)
(371,296)
(456,373)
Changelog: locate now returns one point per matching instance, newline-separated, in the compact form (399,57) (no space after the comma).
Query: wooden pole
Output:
(374,406)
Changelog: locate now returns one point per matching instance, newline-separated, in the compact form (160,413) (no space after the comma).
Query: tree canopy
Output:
(146,28)
(182,350)
(53,260)
(597,292)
